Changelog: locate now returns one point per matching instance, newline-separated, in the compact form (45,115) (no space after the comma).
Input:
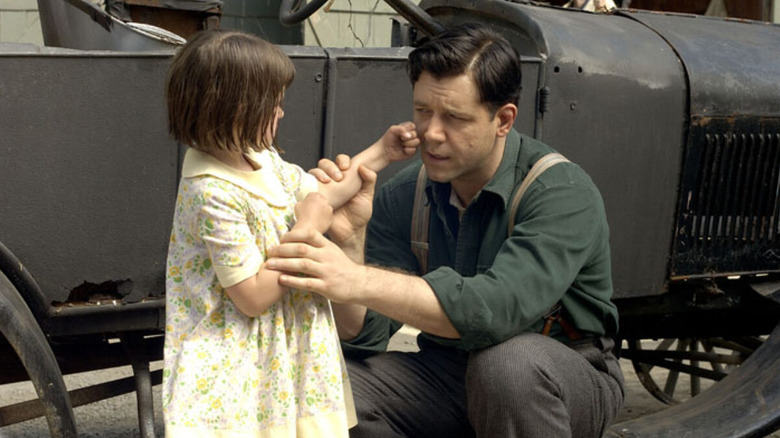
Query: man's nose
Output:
(434,130)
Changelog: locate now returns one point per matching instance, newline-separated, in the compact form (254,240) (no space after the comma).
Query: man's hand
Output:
(310,261)
(349,221)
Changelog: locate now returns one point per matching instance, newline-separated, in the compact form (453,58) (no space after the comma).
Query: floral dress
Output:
(280,374)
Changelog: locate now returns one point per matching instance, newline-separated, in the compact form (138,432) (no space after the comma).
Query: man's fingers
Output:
(304,235)
(369,180)
(330,170)
(321,175)
(343,161)
(303,266)
(302,283)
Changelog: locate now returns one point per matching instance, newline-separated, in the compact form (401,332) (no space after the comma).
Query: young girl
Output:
(244,356)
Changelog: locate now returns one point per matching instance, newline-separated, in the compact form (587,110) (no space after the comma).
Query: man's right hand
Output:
(349,221)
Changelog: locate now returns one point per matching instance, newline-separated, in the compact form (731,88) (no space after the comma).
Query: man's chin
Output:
(436,175)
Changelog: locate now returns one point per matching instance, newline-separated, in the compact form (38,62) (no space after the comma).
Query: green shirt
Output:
(491,286)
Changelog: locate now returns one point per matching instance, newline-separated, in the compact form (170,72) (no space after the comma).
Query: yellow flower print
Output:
(278,321)
(174,271)
(333,378)
(275,364)
(283,395)
(316,368)
(201,355)
(202,384)
(322,349)
(216,403)
(216,318)
(228,333)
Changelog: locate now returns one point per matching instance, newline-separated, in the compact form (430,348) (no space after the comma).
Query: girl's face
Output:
(270,133)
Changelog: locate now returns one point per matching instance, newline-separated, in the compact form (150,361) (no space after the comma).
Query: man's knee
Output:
(518,362)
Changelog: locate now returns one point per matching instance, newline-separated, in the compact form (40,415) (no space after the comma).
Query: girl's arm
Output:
(398,143)
(256,294)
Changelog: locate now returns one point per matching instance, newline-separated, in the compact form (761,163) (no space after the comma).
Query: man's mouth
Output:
(435,157)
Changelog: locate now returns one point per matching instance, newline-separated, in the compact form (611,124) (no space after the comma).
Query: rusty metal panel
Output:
(732,65)
(728,211)
(87,171)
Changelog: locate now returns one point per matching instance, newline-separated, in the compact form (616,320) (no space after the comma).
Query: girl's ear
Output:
(506,119)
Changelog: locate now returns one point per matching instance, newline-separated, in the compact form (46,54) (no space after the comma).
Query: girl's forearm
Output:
(256,294)
(339,192)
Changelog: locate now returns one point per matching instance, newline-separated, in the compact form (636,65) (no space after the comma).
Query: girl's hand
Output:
(313,212)
(400,141)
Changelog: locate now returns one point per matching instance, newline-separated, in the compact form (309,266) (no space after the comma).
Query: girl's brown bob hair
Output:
(223,87)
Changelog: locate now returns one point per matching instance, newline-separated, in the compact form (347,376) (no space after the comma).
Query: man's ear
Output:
(506,119)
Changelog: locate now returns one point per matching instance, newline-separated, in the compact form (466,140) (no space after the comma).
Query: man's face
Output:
(458,133)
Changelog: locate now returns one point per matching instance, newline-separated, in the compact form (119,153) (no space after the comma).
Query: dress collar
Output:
(262,182)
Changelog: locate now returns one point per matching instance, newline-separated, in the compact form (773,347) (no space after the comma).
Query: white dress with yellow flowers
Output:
(280,374)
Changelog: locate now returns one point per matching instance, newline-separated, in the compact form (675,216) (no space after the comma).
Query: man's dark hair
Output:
(492,61)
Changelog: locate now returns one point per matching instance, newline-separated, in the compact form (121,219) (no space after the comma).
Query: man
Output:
(483,369)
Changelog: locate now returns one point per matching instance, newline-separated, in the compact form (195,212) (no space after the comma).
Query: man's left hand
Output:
(310,261)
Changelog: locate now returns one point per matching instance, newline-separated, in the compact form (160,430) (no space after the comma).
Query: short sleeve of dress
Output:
(295,178)
(222,224)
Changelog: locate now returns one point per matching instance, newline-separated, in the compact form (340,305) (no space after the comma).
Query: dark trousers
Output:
(529,386)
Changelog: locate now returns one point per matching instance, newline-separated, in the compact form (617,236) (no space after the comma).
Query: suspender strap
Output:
(537,169)
(421,213)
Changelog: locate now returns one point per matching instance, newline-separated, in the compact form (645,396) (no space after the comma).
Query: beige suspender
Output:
(421,211)
(537,169)
(421,214)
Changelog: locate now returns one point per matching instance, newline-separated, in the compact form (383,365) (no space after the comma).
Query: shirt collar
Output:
(503,182)
(262,182)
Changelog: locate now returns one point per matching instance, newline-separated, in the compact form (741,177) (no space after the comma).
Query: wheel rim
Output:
(676,369)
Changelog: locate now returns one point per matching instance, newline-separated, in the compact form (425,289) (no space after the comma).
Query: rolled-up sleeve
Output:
(532,270)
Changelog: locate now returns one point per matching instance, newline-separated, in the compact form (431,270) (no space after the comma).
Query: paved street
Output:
(117,418)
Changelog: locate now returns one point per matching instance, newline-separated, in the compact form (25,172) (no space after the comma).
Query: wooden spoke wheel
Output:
(676,369)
